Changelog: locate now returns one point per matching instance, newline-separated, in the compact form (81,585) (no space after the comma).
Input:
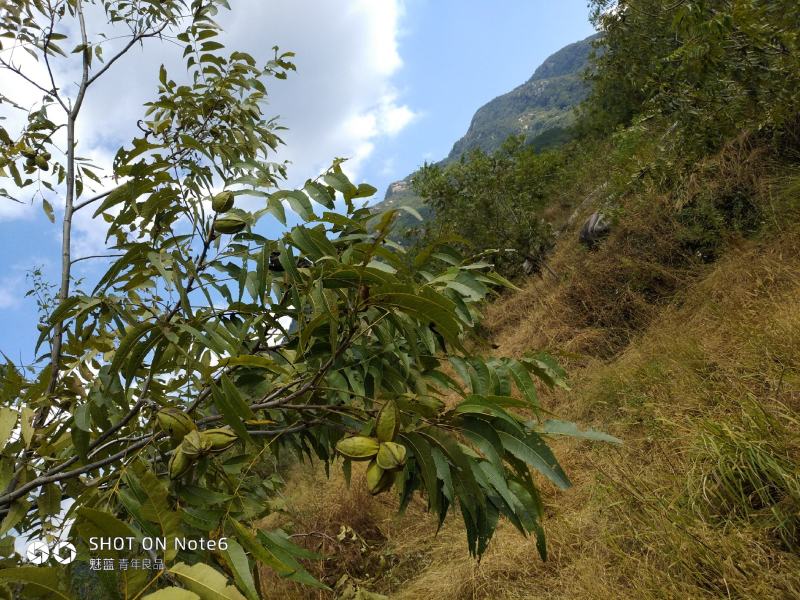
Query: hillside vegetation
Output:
(701,500)
(680,333)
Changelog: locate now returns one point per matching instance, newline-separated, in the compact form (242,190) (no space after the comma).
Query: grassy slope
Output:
(696,366)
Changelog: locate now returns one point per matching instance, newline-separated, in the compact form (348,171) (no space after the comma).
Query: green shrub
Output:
(712,68)
(493,201)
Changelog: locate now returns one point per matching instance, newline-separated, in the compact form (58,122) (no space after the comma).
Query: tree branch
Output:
(74,260)
(55,93)
(136,38)
(19,72)
(45,479)
(99,196)
(66,232)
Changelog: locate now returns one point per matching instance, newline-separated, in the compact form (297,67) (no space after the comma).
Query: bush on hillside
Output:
(493,202)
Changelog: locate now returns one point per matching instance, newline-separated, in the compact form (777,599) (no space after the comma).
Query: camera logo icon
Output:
(38,552)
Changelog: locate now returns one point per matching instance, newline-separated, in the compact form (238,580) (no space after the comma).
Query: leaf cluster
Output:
(711,68)
(493,202)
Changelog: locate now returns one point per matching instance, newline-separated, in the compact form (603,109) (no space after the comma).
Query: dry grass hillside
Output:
(694,363)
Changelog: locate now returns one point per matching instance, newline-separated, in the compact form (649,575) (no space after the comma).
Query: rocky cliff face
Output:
(398,188)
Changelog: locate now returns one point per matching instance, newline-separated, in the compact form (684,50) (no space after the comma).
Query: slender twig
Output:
(175,157)
(275,399)
(19,72)
(136,38)
(8,498)
(203,396)
(317,534)
(336,407)
(109,443)
(74,260)
(351,338)
(47,40)
(106,434)
(285,430)
(40,481)
(99,196)
(305,387)
(56,477)
(130,415)
(66,261)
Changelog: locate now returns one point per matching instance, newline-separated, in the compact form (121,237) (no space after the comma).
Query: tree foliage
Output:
(493,201)
(168,392)
(710,67)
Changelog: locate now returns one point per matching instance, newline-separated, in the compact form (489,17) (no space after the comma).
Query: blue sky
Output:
(389,83)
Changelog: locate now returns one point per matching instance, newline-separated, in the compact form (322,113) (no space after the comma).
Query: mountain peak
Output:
(543,103)
(571,59)
(541,109)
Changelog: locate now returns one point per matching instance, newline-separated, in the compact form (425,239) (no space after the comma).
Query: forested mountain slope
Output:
(541,110)
(543,103)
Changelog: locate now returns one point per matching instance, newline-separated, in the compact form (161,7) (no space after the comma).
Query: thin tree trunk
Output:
(69,203)
(66,253)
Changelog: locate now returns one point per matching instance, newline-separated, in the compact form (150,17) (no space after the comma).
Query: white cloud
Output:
(340,103)
(386,118)
(9,292)
(388,166)
(11,210)
(394,118)
(15,282)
